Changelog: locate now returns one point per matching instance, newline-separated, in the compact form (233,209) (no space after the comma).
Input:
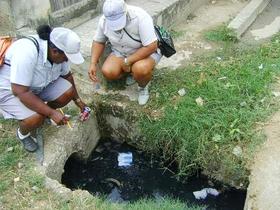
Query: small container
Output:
(96,85)
(85,114)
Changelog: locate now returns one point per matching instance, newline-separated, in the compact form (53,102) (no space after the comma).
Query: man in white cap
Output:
(130,31)
(35,80)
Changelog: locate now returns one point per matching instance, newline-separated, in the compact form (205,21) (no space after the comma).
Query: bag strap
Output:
(132,37)
(32,39)
(35,42)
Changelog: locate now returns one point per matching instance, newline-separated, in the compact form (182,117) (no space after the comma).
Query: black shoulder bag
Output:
(165,41)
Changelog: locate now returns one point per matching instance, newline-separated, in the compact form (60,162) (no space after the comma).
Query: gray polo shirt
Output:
(28,68)
(139,25)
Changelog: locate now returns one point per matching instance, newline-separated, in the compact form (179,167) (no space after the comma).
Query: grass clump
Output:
(221,33)
(236,93)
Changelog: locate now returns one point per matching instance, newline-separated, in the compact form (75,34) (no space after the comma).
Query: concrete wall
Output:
(81,11)
(30,12)
(6,19)
(176,12)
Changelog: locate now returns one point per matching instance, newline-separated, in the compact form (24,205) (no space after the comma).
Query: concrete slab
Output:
(263,192)
(266,25)
(247,16)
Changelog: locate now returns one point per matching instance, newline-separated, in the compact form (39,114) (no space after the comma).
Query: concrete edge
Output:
(247,16)
(177,11)
(63,16)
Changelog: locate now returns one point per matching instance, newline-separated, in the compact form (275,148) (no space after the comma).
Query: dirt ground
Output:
(190,42)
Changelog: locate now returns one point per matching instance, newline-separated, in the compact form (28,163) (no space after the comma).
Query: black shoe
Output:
(28,143)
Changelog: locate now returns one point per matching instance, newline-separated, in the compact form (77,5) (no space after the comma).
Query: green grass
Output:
(144,204)
(221,33)
(236,92)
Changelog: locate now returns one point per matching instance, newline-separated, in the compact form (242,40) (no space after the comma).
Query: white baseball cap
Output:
(69,42)
(115,14)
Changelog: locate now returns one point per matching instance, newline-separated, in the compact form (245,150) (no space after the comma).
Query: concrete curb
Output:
(247,16)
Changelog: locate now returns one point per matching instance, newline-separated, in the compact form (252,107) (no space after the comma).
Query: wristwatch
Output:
(78,100)
(126,62)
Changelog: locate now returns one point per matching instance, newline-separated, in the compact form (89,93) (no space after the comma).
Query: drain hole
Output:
(122,173)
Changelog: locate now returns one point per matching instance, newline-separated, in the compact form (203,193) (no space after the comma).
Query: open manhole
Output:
(122,173)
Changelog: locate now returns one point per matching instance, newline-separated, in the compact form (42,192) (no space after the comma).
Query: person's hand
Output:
(85,110)
(92,72)
(79,103)
(58,117)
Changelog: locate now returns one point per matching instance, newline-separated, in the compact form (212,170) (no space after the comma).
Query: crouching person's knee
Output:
(111,74)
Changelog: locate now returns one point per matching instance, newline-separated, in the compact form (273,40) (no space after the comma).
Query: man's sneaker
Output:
(27,141)
(143,95)
(129,80)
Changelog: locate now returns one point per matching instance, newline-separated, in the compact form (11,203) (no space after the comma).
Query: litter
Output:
(182,92)
(115,181)
(125,159)
(237,151)
(199,101)
(276,94)
(202,194)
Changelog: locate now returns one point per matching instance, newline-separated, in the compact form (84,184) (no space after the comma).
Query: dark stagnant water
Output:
(144,178)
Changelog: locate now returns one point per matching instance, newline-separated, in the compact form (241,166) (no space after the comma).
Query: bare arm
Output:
(34,103)
(96,52)
(142,53)
(76,97)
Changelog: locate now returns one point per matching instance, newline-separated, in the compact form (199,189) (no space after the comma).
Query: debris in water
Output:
(118,183)
(125,159)
(146,177)
(202,194)
(99,149)
(115,196)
